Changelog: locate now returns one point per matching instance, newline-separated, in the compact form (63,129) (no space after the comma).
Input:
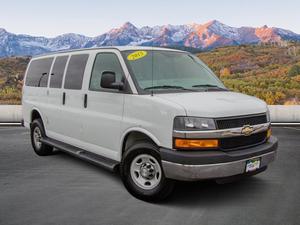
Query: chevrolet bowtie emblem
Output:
(247,130)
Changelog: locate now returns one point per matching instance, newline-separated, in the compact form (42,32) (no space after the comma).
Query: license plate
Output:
(252,165)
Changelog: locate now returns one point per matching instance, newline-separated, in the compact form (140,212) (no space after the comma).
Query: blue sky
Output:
(93,17)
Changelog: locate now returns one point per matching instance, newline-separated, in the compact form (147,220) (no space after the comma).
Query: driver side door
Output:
(104,107)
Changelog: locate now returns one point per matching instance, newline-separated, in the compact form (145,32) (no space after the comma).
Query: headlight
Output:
(183,123)
(268,115)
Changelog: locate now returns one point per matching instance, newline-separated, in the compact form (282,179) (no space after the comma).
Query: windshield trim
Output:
(142,91)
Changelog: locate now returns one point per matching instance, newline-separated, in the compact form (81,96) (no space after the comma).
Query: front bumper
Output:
(198,165)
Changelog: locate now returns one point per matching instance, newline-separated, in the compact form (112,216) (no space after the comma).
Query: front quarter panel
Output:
(150,115)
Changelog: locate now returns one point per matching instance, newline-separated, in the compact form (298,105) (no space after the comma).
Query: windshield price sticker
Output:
(136,55)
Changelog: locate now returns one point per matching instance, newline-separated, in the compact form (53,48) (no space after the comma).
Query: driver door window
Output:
(105,62)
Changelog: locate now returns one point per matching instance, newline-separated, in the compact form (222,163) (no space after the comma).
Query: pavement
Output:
(63,190)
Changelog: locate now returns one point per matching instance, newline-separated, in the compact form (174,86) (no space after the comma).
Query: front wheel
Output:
(142,173)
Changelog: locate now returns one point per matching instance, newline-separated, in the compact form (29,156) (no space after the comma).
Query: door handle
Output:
(64,98)
(85,101)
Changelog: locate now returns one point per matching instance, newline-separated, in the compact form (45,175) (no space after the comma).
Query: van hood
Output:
(216,104)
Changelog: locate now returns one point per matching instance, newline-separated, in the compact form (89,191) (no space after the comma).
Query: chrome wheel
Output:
(37,135)
(145,171)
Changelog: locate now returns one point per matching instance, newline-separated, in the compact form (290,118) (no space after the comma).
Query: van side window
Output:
(105,62)
(38,72)
(75,71)
(58,71)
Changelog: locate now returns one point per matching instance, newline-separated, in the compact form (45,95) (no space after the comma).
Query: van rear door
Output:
(35,88)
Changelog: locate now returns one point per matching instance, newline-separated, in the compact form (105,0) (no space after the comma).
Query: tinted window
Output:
(75,71)
(38,72)
(105,62)
(58,71)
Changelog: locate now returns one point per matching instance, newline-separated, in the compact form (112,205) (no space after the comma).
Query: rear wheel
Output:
(37,133)
(142,173)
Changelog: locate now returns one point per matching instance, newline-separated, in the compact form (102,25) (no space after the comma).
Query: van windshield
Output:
(159,70)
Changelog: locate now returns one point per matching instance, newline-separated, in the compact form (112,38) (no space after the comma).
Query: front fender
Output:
(141,130)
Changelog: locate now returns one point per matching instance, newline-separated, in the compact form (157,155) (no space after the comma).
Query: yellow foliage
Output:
(292,102)
(296,78)
(225,72)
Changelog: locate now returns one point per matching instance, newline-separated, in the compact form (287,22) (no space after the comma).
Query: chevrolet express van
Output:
(155,114)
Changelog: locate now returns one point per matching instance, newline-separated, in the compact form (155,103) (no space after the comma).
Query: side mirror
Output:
(108,80)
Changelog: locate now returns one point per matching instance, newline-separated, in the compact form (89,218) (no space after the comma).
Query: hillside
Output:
(11,75)
(269,72)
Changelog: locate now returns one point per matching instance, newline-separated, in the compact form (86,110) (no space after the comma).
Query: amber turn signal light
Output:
(269,133)
(196,143)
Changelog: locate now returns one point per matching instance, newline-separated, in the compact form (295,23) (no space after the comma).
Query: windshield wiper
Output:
(168,87)
(209,86)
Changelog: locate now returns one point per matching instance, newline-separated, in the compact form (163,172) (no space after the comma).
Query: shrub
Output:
(294,71)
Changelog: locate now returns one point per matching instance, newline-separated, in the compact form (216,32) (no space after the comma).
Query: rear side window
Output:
(38,72)
(105,62)
(75,71)
(58,71)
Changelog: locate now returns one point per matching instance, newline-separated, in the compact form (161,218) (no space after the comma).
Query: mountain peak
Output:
(71,35)
(128,25)
(2,31)
(213,22)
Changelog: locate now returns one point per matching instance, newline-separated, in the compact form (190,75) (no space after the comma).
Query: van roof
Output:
(120,48)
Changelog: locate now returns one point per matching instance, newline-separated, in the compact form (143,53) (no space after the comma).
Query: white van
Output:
(156,114)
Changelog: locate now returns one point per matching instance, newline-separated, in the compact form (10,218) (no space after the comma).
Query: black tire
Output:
(40,149)
(164,187)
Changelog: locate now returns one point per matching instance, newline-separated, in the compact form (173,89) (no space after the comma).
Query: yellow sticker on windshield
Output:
(136,55)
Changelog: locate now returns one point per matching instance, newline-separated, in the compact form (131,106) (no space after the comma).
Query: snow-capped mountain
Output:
(202,36)
(12,44)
